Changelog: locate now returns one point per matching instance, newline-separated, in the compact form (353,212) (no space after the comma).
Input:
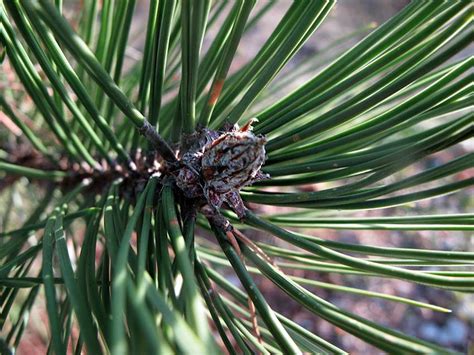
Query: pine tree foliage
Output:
(124,262)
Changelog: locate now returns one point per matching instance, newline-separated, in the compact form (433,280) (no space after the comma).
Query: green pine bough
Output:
(129,177)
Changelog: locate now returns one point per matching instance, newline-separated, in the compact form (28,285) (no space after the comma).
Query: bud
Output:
(233,160)
(223,165)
